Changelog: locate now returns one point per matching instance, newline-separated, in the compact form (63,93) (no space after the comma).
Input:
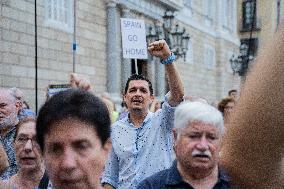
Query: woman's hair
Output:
(222,104)
(22,121)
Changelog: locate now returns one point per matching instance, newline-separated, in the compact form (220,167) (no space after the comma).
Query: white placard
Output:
(133,38)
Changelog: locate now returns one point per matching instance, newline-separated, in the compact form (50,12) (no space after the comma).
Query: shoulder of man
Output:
(223,175)
(118,126)
(119,123)
(157,180)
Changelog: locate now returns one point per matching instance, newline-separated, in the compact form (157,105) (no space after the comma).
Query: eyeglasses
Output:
(229,107)
(22,141)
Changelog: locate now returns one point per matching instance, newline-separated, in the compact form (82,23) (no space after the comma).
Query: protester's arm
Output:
(111,172)
(107,186)
(161,49)
(4,163)
(153,105)
(175,84)
(80,81)
(255,139)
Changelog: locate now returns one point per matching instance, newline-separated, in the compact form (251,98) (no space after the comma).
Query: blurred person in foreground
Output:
(254,143)
(198,132)
(73,128)
(226,107)
(142,141)
(29,157)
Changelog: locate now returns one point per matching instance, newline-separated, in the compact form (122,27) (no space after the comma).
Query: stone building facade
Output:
(92,27)
(269,15)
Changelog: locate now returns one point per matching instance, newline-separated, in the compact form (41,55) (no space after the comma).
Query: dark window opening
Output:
(278,13)
(141,65)
(249,16)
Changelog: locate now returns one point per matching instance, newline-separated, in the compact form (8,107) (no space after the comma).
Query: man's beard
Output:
(9,121)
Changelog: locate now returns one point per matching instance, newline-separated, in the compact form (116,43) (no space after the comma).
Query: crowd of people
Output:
(79,140)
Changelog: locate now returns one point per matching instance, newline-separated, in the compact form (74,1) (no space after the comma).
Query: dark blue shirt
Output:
(171,179)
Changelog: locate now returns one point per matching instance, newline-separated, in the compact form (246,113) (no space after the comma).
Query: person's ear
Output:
(18,105)
(124,96)
(107,147)
(152,97)
(175,133)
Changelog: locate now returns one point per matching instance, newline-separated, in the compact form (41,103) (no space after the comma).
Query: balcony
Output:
(173,4)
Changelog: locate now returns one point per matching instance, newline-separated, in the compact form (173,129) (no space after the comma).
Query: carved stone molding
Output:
(173,4)
(150,8)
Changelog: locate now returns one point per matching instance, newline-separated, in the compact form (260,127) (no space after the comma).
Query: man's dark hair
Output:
(231,91)
(138,77)
(76,104)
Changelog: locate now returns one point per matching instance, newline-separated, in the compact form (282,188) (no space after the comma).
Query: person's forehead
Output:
(202,127)
(138,83)
(70,130)
(27,128)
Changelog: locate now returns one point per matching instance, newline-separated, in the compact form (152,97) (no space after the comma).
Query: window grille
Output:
(59,14)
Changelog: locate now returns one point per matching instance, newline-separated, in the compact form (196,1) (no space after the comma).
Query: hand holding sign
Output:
(133,38)
(159,49)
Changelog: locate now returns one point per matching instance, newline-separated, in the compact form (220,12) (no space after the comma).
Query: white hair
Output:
(188,112)
(17,93)
(10,94)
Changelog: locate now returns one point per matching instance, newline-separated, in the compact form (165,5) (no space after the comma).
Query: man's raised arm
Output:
(255,139)
(161,49)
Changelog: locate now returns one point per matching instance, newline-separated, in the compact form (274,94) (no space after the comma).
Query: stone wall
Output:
(55,55)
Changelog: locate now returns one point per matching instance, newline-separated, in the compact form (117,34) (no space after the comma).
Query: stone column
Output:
(219,15)
(126,62)
(151,71)
(113,62)
(160,78)
(221,52)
